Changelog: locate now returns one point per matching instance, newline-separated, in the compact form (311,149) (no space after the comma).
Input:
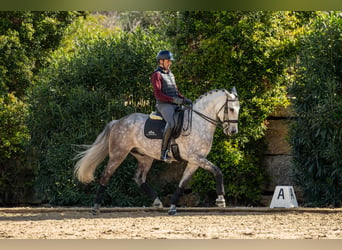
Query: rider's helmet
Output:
(164,54)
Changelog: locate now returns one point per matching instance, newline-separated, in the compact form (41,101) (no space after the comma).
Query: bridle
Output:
(217,122)
(226,121)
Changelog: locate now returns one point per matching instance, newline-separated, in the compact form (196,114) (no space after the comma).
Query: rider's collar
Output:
(163,70)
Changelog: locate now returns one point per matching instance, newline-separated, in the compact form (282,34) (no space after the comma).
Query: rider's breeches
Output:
(167,111)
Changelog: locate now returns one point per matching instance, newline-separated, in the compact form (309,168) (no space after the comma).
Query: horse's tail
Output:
(92,156)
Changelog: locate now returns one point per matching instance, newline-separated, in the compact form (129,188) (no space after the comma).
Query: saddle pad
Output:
(155,116)
(153,129)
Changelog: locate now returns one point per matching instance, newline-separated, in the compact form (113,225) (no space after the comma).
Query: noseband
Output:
(226,121)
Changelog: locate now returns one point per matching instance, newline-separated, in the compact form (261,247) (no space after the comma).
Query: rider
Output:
(167,95)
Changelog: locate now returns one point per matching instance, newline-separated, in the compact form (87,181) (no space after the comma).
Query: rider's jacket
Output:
(164,86)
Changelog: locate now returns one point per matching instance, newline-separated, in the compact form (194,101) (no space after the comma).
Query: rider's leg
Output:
(167,111)
(165,143)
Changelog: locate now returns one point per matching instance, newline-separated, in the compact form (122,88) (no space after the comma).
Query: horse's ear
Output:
(234,91)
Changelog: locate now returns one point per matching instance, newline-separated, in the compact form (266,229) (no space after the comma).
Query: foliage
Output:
(13,132)
(129,21)
(26,41)
(13,137)
(104,77)
(243,49)
(317,133)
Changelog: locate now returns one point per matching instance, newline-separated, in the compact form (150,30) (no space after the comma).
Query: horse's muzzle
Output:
(230,131)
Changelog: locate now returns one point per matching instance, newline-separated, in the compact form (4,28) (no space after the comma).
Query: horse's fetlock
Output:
(157,203)
(172,210)
(95,210)
(220,201)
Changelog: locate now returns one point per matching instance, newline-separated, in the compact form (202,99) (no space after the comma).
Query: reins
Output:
(207,118)
(203,116)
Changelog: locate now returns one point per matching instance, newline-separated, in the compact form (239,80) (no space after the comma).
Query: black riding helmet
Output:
(164,54)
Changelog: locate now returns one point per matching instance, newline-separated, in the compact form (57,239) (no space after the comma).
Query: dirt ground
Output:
(196,223)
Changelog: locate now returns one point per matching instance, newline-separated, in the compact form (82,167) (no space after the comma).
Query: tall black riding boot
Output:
(165,144)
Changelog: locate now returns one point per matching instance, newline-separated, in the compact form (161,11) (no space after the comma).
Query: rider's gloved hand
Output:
(177,100)
(187,101)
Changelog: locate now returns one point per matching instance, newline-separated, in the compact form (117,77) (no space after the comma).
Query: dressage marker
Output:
(284,197)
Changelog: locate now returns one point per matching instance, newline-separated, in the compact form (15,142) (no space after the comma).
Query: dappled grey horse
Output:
(126,136)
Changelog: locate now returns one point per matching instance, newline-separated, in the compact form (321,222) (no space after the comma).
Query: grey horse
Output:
(126,136)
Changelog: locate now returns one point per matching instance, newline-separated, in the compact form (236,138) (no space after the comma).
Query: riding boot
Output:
(165,144)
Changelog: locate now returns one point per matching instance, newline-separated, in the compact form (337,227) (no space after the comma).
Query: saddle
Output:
(155,124)
(154,128)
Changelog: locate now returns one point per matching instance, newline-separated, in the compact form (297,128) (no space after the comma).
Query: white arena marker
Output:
(284,197)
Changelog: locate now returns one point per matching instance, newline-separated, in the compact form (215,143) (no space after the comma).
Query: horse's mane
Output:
(209,93)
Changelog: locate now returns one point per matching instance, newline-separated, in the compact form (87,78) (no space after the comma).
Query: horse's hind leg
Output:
(187,174)
(115,159)
(144,166)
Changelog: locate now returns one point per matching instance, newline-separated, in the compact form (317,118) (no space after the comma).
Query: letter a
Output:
(281,193)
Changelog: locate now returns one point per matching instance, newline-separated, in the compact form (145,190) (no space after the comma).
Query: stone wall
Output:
(278,156)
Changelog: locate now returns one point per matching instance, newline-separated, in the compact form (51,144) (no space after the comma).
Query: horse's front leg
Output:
(207,165)
(187,174)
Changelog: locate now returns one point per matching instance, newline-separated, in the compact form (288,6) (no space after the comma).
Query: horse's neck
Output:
(208,104)
(205,107)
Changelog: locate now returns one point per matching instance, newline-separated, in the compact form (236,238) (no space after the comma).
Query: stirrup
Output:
(165,156)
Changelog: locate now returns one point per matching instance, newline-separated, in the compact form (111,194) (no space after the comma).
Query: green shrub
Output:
(27,38)
(316,135)
(13,138)
(106,78)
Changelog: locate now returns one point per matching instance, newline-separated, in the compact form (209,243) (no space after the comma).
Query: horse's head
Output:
(229,113)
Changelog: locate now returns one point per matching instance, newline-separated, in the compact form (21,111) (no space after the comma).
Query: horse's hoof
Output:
(220,202)
(95,210)
(172,210)
(157,203)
